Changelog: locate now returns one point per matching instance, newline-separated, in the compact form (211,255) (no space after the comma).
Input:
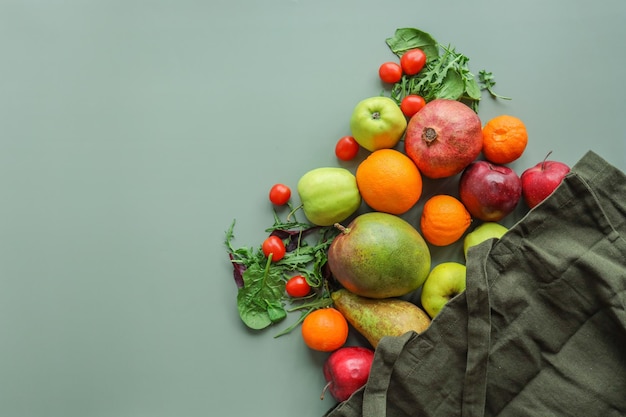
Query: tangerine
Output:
(389,181)
(325,329)
(504,139)
(444,220)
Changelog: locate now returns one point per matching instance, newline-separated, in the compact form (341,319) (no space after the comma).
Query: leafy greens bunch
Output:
(445,75)
(261,297)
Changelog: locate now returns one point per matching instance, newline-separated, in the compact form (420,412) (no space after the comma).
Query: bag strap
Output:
(375,393)
(478,332)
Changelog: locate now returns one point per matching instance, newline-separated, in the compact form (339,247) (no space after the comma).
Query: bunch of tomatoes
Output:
(411,62)
(297,286)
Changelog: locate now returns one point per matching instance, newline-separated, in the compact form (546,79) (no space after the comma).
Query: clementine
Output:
(504,139)
(325,329)
(444,220)
(389,181)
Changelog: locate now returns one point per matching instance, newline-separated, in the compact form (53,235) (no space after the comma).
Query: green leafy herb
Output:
(259,300)
(261,297)
(445,75)
(487,81)
(405,39)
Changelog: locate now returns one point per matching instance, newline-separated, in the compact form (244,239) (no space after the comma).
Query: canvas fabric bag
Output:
(541,328)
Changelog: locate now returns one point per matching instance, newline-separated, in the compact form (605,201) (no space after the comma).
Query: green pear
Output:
(329,195)
(485,231)
(444,282)
(377,318)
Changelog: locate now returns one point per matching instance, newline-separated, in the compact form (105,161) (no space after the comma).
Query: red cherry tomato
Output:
(297,286)
(280,194)
(274,245)
(412,61)
(411,104)
(347,148)
(390,72)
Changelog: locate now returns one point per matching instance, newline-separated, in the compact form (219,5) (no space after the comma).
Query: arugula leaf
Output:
(445,76)
(452,86)
(487,81)
(241,258)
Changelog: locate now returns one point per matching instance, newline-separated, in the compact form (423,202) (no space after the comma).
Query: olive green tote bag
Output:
(540,330)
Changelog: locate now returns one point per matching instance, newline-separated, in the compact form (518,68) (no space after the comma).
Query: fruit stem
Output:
(543,163)
(342,229)
(429,135)
(324,390)
(293,211)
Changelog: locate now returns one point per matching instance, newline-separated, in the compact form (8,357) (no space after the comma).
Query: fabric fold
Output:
(541,327)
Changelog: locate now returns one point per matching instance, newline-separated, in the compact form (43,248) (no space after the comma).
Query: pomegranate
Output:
(443,138)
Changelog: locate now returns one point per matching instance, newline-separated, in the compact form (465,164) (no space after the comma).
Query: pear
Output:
(376,318)
(379,255)
(328,195)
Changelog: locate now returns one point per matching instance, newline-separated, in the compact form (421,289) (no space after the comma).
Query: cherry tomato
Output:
(274,245)
(412,61)
(297,286)
(390,72)
(347,148)
(280,194)
(411,104)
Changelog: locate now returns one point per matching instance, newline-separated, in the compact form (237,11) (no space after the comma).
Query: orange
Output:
(504,139)
(389,181)
(444,220)
(325,329)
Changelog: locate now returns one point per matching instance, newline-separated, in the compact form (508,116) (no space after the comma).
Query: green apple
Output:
(445,281)
(485,231)
(328,195)
(377,123)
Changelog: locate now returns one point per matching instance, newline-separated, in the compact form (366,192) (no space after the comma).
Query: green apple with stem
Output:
(444,282)
(484,231)
(377,123)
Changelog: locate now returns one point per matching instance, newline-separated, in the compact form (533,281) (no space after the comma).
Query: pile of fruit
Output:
(355,261)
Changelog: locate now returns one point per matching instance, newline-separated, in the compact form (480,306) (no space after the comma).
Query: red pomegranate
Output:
(443,138)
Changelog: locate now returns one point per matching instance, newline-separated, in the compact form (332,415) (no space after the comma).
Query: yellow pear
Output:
(380,317)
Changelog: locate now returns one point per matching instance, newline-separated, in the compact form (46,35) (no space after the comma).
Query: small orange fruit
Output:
(504,139)
(389,181)
(325,329)
(444,220)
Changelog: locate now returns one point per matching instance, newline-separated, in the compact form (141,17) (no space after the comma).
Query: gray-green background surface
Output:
(133,132)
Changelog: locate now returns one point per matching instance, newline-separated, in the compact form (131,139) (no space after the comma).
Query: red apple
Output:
(539,181)
(490,192)
(346,370)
